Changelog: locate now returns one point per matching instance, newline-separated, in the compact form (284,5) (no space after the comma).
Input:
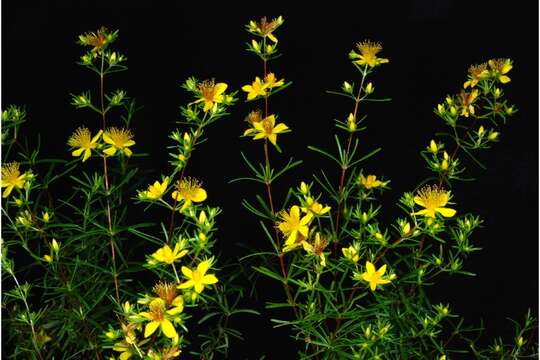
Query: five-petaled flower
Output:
(351,253)
(374,277)
(467,100)
(155,191)
(84,142)
(314,207)
(198,278)
(120,140)
(293,226)
(211,93)
(12,178)
(188,190)
(499,68)
(266,129)
(317,248)
(370,182)
(158,315)
(265,28)
(167,255)
(257,88)
(368,54)
(476,73)
(433,199)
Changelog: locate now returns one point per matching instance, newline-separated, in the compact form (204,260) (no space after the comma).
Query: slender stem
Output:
(271,202)
(106,178)
(175,273)
(344,166)
(23,298)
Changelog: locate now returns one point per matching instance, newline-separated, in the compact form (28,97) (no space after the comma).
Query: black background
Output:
(430,45)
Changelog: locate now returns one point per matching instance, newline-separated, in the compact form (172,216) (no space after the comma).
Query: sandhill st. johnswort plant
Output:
(103,258)
(353,286)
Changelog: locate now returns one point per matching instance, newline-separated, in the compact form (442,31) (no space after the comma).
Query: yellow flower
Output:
(266,129)
(314,207)
(48,258)
(368,54)
(96,39)
(168,293)
(167,255)
(158,317)
(467,100)
(211,94)
(499,68)
(82,140)
(292,225)
(317,248)
(265,28)
(257,88)
(198,277)
(370,182)
(476,73)
(119,139)
(155,191)
(270,81)
(351,253)
(374,277)
(188,190)
(433,199)
(12,178)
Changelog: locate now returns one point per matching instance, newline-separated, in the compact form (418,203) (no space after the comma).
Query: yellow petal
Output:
(186,285)
(504,79)
(176,196)
(110,151)
(272,37)
(209,279)
(97,136)
(280,128)
(187,272)
(304,230)
(199,195)
(446,212)
(295,212)
(108,139)
(418,200)
(370,268)
(87,154)
(128,152)
(199,287)
(168,328)
(382,270)
(77,152)
(150,328)
(272,138)
(372,285)
(7,191)
(219,89)
(203,266)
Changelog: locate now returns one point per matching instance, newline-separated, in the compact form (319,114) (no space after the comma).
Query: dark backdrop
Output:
(430,45)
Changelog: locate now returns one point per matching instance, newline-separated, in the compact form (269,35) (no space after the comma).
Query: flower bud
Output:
(493,135)
(347,87)
(256,45)
(304,188)
(55,246)
(369,88)
(433,146)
